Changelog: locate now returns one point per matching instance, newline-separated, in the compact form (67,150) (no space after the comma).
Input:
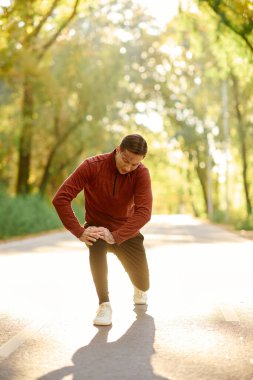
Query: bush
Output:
(245,224)
(28,214)
(237,219)
(219,216)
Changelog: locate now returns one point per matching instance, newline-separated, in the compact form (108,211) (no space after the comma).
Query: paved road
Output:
(198,325)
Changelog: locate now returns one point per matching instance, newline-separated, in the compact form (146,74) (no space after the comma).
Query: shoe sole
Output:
(140,303)
(101,324)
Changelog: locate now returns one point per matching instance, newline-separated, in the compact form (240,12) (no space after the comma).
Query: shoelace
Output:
(101,311)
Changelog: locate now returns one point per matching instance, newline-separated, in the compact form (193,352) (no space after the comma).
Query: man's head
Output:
(131,151)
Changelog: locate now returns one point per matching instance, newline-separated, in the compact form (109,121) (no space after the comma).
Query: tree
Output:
(236,15)
(90,85)
(27,40)
(84,84)
(243,139)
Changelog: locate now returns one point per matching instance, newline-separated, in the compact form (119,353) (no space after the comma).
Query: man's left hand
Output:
(106,235)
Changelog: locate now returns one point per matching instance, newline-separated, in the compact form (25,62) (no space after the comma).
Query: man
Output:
(118,202)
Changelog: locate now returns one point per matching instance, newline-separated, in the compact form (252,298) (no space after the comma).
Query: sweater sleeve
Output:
(70,188)
(142,209)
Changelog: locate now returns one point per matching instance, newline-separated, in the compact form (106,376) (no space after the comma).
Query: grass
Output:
(25,215)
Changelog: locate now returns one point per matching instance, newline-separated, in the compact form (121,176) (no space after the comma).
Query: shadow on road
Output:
(127,358)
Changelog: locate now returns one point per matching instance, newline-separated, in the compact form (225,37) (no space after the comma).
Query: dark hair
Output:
(134,143)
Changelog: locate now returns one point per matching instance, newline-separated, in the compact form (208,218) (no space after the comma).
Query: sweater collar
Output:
(112,160)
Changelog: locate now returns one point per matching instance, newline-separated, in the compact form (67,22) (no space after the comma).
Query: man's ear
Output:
(118,149)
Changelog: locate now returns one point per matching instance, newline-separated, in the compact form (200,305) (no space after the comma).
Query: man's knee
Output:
(98,247)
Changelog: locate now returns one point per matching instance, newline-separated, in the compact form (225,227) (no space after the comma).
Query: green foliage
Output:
(237,15)
(200,58)
(24,215)
(236,219)
(29,214)
(219,216)
(245,224)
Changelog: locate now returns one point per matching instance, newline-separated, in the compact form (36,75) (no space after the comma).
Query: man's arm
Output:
(66,193)
(143,208)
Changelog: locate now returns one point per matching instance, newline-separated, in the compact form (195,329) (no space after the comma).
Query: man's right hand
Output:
(90,235)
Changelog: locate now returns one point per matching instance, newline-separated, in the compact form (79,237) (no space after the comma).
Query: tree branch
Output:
(42,22)
(216,8)
(229,25)
(247,42)
(70,159)
(69,131)
(64,24)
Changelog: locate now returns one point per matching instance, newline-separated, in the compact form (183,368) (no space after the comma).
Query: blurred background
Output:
(78,75)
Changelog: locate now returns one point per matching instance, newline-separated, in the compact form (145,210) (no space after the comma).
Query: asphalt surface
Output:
(197,326)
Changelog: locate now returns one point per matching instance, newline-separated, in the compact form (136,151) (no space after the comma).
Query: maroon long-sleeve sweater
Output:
(121,203)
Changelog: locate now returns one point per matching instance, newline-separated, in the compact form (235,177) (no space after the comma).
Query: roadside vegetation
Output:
(28,215)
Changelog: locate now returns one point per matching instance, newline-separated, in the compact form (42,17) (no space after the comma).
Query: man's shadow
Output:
(127,358)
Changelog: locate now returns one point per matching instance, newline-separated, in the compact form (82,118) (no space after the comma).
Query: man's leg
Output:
(132,255)
(99,269)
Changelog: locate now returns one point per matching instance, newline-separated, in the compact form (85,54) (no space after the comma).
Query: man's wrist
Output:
(81,234)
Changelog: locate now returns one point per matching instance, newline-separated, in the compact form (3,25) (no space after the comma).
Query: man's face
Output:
(127,161)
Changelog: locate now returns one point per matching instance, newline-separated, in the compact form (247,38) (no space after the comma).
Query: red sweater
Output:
(121,203)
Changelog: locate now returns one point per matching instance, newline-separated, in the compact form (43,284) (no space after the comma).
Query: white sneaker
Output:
(104,315)
(140,297)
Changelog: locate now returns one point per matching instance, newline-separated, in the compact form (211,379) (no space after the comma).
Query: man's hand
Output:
(90,235)
(106,235)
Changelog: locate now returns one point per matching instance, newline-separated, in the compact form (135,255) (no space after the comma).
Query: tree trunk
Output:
(25,143)
(189,180)
(46,174)
(49,173)
(201,173)
(60,141)
(216,192)
(242,139)
(202,181)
